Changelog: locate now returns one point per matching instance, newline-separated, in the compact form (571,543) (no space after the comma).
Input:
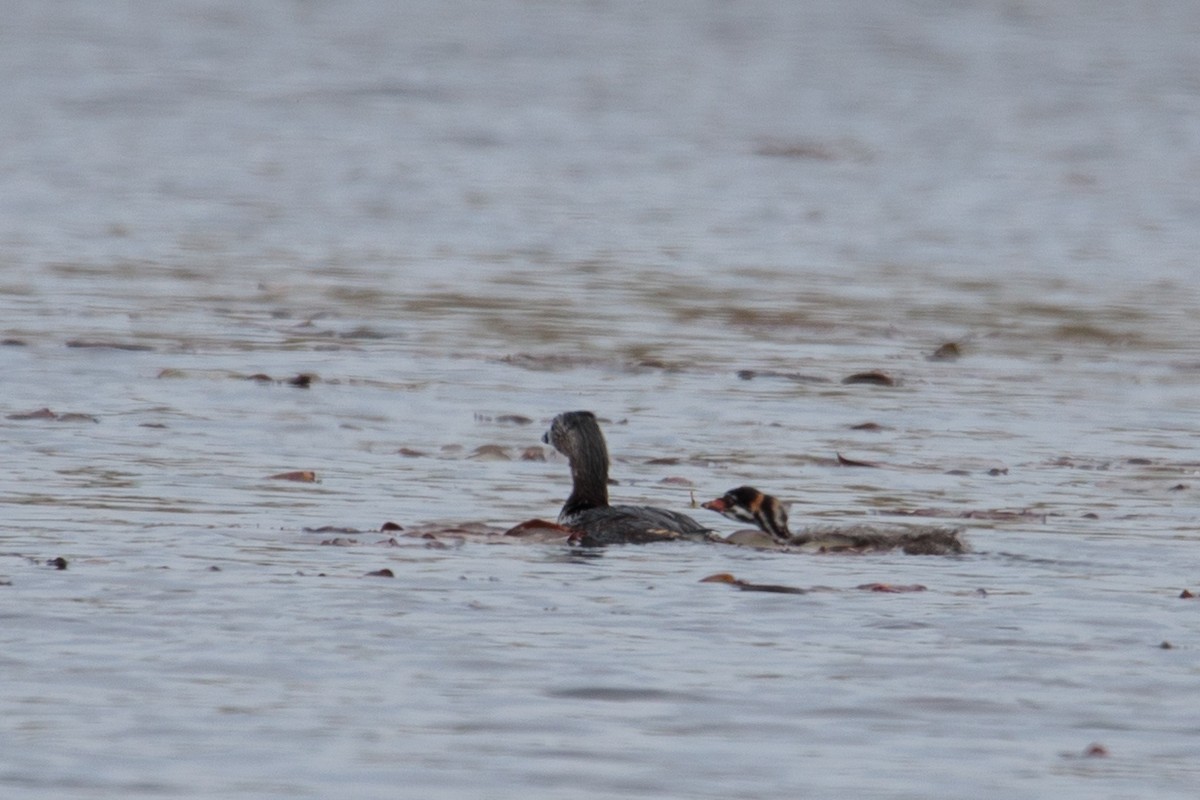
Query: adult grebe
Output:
(747,504)
(577,435)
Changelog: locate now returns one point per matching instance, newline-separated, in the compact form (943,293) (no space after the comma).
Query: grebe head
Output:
(577,435)
(747,504)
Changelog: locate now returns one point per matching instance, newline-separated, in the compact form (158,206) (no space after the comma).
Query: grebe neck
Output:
(589,475)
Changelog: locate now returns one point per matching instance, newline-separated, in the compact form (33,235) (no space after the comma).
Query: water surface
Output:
(695,220)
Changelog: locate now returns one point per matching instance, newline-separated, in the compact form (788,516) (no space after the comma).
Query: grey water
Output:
(695,219)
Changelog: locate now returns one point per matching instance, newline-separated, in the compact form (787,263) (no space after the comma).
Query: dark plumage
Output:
(577,435)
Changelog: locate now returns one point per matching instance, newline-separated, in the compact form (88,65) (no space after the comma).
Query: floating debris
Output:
(137,348)
(381,573)
(47,414)
(891,588)
(41,413)
(1093,750)
(539,529)
(302,380)
(950,351)
(853,462)
(676,480)
(365,332)
(299,476)
(72,416)
(799,377)
(57,563)
(874,377)
(1074,463)
(727,578)
(490,452)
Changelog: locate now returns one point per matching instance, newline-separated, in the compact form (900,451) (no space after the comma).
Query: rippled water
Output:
(694,219)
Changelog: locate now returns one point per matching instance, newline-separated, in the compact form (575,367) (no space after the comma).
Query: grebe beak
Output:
(719,505)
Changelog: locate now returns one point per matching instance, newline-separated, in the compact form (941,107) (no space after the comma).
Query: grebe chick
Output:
(747,504)
(577,435)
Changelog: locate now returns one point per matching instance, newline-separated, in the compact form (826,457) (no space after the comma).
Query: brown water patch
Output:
(815,150)
(1084,332)
(622,694)
(777,318)
(563,362)
(505,419)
